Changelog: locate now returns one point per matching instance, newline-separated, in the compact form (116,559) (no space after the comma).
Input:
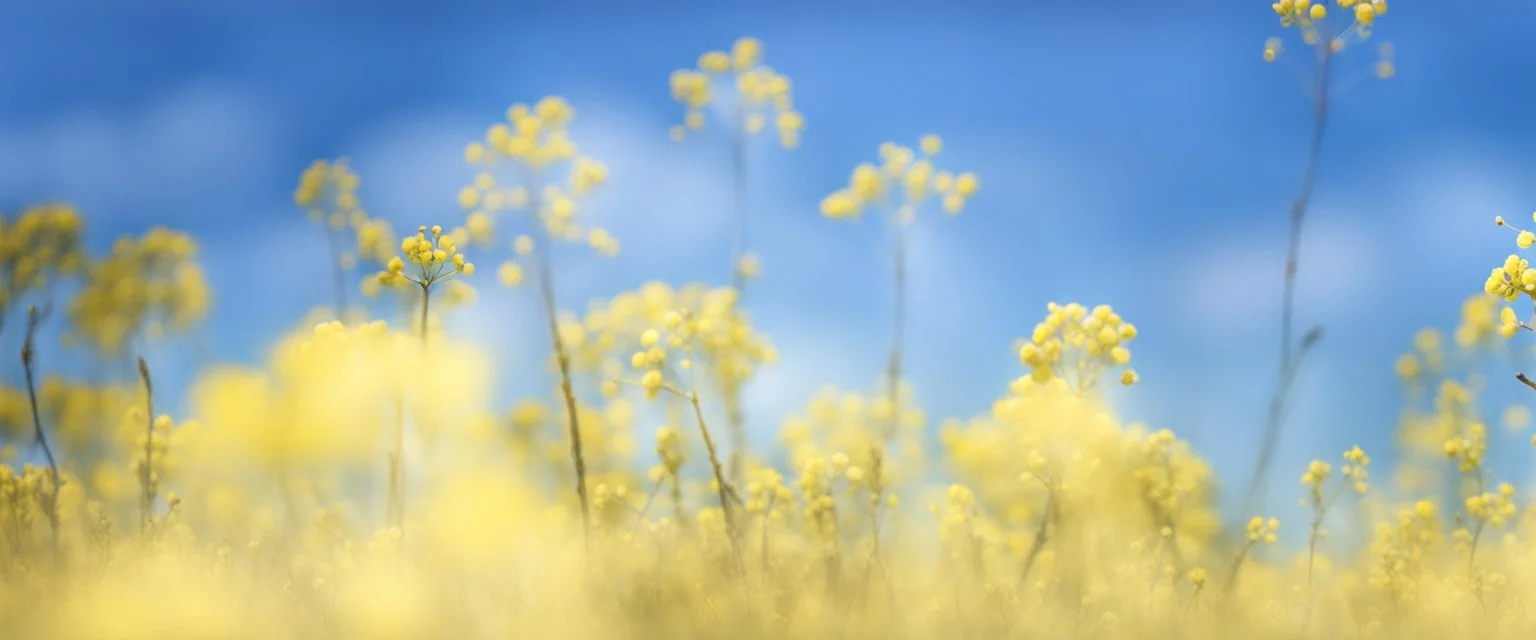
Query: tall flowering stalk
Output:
(50,500)
(38,248)
(753,94)
(665,372)
(531,145)
(146,287)
(1327,36)
(429,260)
(1320,499)
(901,185)
(327,193)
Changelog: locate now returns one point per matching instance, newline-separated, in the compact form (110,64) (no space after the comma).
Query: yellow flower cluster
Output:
(1078,345)
(1356,471)
(1427,357)
(1514,277)
(145,287)
(1494,508)
(77,411)
(836,421)
(901,184)
(25,496)
(1480,321)
(1402,549)
(727,351)
(15,414)
(817,483)
(766,493)
(433,259)
(760,93)
(1306,14)
(1355,474)
(1173,478)
(327,192)
(669,450)
(1261,530)
(681,331)
(542,451)
(532,141)
(1317,473)
(536,137)
(42,242)
(330,394)
(1312,18)
(1468,448)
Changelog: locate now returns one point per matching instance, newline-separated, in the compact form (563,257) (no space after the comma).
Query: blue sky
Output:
(1140,155)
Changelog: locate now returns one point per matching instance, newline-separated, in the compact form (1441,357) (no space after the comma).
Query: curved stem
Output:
(1290,352)
(147,500)
(51,503)
(563,360)
(723,488)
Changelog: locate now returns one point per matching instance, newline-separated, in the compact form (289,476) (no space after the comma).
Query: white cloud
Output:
(1231,283)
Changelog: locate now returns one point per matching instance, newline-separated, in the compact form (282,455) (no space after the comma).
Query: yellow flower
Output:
(931,144)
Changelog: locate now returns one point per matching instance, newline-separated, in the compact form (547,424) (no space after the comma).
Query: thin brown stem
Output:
(1290,352)
(1237,564)
(1042,535)
(147,474)
(426,301)
(563,360)
(733,415)
(723,487)
(50,502)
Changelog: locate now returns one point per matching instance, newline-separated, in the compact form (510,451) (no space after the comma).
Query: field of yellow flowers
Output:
(365,482)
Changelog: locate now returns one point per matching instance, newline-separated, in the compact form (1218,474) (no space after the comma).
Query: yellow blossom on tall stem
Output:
(429,260)
(899,187)
(146,287)
(531,145)
(748,97)
(327,192)
(1327,35)
(40,246)
(680,334)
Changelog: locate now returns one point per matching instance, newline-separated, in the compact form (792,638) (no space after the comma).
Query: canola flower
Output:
(327,192)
